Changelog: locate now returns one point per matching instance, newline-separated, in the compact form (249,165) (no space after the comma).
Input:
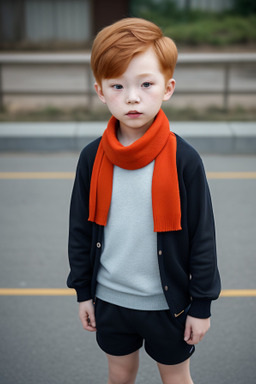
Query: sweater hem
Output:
(145,303)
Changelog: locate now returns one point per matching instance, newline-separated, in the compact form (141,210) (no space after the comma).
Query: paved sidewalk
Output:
(206,137)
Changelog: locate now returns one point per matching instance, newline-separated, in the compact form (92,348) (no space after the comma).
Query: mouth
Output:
(133,114)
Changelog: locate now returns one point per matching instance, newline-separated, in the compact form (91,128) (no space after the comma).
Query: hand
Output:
(87,316)
(195,329)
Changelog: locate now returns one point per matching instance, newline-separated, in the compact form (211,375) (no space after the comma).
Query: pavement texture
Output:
(206,137)
(42,340)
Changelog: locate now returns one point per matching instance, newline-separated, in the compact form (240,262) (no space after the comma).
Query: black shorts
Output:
(121,331)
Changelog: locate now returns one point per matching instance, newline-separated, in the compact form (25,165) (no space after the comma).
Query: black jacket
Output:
(187,258)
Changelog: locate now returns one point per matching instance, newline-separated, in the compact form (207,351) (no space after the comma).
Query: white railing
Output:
(220,60)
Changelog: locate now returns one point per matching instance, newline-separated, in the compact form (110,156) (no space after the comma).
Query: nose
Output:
(132,97)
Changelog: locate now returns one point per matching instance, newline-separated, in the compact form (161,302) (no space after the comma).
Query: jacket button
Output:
(160,252)
(166,287)
(98,245)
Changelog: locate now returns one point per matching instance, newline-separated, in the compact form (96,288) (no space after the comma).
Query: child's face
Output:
(136,96)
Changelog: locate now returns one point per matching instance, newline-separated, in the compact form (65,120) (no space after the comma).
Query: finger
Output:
(91,323)
(87,316)
(87,325)
(83,319)
(196,338)
(92,320)
(190,341)
(90,328)
(91,317)
(187,332)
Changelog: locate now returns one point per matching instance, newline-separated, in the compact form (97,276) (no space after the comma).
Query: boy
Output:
(142,240)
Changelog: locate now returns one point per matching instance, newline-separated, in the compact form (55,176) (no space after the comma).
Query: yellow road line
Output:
(231,175)
(71,175)
(71,292)
(37,175)
(238,293)
(36,292)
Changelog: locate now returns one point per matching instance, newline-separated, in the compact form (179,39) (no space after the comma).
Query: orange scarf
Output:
(158,144)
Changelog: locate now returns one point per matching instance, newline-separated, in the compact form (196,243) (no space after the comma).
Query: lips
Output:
(133,114)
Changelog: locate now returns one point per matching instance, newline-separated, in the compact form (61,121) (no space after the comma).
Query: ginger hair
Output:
(116,45)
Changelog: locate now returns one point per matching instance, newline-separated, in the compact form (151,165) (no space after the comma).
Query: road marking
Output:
(37,175)
(71,292)
(231,175)
(238,293)
(36,292)
(71,175)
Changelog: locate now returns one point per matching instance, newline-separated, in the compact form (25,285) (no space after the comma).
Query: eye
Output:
(146,84)
(117,86)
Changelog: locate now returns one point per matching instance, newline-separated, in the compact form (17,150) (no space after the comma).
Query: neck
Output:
(125,139)
(127,136)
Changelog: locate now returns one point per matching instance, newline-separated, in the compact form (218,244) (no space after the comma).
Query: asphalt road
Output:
(42,340)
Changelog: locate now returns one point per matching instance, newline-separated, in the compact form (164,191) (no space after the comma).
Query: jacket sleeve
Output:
(204,275)
(80,232)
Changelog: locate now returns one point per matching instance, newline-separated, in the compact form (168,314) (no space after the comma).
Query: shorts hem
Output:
(173,362)
(119,353)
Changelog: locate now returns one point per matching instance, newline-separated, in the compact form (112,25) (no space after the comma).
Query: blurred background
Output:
(49,112)
(45,54)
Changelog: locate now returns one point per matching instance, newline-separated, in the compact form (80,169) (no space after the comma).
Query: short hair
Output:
(116,45)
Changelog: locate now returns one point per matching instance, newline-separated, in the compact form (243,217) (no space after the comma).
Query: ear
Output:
(99,92)
(169,89)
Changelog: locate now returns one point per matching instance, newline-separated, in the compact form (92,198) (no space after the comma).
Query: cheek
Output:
(112,98)
(114,104)
(155,98)
(156,93)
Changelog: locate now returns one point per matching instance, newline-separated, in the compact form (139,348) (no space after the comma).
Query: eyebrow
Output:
(141,75)
(146,74)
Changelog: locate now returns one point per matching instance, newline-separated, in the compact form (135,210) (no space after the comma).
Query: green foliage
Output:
(226,30)
(160,12)
(196,27)
(162,7)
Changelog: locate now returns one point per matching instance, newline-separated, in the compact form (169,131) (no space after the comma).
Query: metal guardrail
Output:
(221,60)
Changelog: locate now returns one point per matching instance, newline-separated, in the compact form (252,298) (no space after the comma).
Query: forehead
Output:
(146,63)
(147,60)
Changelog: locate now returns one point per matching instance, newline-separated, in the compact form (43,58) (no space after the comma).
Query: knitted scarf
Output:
(158,144)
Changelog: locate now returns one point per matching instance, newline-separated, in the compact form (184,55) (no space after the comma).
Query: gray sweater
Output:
(129,272)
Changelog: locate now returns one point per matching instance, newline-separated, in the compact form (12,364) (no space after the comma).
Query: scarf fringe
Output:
(165,224)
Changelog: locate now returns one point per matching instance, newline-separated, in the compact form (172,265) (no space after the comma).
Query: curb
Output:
(206,137)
